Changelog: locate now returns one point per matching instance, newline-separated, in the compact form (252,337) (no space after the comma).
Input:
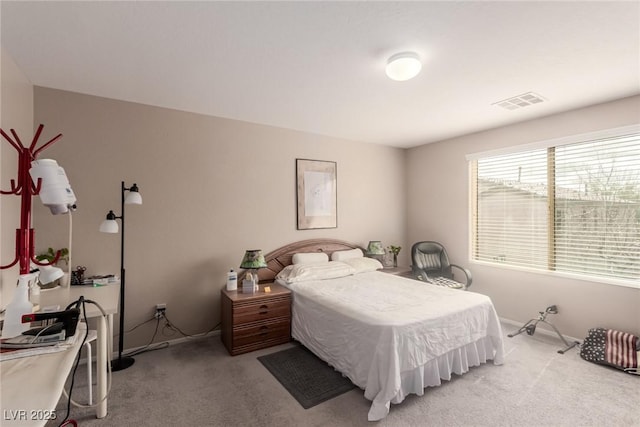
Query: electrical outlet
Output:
(160,310)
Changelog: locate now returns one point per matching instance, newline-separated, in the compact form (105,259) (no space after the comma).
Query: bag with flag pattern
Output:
(613,348)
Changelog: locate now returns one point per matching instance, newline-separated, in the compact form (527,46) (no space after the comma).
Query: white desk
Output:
(108,296)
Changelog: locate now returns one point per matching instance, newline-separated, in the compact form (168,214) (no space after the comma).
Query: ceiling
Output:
(319,66)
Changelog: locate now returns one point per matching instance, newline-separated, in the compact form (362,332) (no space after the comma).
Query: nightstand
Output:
(254,321)
(399,271)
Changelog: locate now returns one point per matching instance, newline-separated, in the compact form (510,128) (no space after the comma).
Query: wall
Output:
(211,189)
(214,187)
(442,213)
(16,112)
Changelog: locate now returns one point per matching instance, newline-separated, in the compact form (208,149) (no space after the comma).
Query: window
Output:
(569,205)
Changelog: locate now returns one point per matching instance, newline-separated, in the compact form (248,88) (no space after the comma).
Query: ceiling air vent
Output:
(520,101)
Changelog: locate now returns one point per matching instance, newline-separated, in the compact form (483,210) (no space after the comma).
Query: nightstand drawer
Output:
(261,310)
(262,332)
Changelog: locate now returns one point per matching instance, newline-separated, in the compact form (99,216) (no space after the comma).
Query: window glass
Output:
(572,208)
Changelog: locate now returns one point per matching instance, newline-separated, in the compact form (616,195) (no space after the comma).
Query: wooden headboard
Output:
(281,257)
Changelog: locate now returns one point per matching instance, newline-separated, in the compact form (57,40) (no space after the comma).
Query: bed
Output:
(391,336)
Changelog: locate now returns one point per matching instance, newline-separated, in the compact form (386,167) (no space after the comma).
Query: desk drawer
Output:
(261,310)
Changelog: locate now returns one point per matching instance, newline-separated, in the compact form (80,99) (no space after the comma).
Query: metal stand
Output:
(530,328)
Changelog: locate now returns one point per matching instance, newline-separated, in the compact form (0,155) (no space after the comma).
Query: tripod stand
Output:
(530,327)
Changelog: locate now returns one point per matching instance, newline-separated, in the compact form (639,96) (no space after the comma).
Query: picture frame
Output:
(316,194)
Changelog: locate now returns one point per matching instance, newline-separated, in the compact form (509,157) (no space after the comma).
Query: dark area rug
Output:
(309,379)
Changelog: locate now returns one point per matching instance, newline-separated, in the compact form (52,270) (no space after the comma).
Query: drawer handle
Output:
(264,330)
(264,309)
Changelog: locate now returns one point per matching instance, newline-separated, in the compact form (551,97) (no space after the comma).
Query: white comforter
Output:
(393,336)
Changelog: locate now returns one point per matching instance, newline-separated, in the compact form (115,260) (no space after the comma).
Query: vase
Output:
(395,260)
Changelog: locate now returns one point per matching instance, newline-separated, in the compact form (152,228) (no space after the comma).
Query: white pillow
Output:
(363,265)
(309,257)
(343,255)
(316,271)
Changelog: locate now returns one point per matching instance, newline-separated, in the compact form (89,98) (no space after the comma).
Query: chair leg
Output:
(89,368)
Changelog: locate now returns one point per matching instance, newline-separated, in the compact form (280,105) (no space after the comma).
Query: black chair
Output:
(430,263)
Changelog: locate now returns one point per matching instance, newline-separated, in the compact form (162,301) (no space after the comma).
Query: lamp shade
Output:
(253,259)
(375,248)
(133,197)
(109,225)
(49,274)
(403,66)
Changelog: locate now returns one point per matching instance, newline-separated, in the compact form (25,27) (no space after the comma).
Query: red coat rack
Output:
(25,188)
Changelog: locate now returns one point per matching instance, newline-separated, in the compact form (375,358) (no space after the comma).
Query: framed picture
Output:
(316,184)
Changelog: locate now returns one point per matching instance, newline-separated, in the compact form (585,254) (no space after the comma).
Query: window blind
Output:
(573,208)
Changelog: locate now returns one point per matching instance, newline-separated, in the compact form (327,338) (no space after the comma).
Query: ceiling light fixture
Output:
(403,66)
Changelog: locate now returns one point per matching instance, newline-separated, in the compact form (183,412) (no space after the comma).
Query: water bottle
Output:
(232,280)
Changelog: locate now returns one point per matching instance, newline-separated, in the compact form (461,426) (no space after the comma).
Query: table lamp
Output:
(252,261)
(375,248)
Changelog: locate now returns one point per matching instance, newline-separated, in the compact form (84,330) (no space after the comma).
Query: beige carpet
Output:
(199,384)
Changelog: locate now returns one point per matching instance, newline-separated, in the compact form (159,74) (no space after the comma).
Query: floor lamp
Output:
(109,225)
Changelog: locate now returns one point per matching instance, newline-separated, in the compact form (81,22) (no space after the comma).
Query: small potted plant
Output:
(395,250)
(50,255)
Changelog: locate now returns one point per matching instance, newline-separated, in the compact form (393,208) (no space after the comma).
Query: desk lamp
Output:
(48,275)
(109,225)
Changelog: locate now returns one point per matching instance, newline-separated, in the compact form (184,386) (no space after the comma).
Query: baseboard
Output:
(170,342)
(541,329)
(114,354)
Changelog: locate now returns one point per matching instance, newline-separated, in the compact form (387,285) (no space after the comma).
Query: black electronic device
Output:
(55,328)
(69,319)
